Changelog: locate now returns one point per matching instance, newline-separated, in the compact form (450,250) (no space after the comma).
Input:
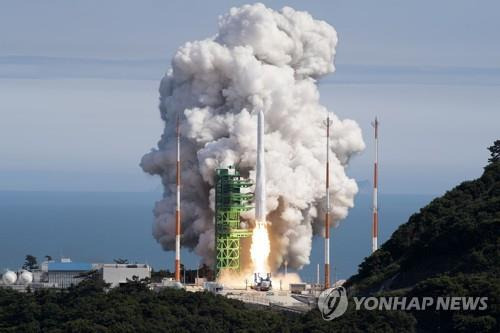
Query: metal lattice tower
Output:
(229,203)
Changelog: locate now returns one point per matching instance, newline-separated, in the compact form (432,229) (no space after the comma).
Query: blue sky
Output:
(79,79)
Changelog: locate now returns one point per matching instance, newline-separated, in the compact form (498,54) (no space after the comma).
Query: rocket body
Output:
(260,186)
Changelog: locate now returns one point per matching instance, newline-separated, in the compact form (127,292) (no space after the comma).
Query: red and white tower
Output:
(178,208)
(327,214)
(375,191)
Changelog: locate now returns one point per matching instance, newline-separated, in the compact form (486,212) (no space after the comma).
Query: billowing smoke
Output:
(259,59)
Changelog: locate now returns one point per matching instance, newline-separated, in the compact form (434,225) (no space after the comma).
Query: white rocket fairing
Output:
(260,186)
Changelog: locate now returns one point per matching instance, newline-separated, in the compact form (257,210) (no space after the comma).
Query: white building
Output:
(116,274)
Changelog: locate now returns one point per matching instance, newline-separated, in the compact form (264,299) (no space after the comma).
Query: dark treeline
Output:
(133,307)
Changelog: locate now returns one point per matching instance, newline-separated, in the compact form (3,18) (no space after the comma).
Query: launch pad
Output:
(262,283)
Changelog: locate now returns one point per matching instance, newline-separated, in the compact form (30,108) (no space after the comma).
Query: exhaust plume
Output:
(260,59)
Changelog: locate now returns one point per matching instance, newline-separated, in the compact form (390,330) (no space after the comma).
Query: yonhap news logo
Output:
(448,303)
(333,302)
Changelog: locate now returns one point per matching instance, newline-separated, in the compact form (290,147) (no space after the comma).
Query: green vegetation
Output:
(30,262)
(134,308)
(494,152)
(130,308)
(450,248)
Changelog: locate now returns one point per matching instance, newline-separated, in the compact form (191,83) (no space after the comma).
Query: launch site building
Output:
(66,273)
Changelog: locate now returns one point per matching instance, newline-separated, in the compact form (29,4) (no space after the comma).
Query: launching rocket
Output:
(260,249)
(260,186)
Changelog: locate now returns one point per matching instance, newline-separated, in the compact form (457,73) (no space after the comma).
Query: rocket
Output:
(260,186)
(260,249)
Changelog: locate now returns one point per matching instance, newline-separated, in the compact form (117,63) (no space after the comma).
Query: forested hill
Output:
(451,247)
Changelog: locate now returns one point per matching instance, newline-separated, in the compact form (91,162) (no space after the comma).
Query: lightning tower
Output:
(178,208)
(375,191)
(327,214)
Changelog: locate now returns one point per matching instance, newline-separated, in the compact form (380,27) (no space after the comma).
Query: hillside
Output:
(451,247)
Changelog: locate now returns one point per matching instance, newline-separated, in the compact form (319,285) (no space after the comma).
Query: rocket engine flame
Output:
(260,59)
(261,248)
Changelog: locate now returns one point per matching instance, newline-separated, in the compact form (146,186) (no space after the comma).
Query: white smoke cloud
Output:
(259,59)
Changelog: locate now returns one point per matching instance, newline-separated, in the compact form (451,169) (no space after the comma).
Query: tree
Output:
(48,258)
(135,285)
(206,272)
(157,276)
(495,152)
(30,262)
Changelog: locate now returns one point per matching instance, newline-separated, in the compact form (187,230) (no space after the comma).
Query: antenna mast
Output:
(178,208)
(327,214)
(375,191)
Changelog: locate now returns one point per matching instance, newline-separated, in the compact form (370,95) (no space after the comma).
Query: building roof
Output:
(69,266)
(125,266)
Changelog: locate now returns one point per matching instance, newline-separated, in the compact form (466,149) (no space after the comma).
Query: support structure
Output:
(230,201)
(178,208)
(375,191)
(327,214)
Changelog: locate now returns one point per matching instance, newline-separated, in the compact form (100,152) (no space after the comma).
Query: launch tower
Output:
(229,203)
